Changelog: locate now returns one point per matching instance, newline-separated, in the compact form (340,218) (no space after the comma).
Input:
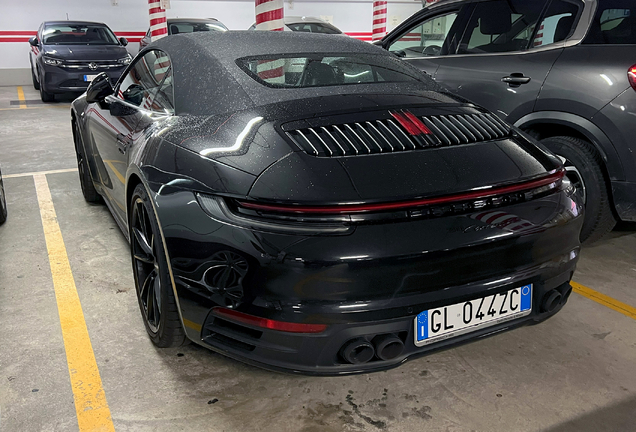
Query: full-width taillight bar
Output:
(360,208)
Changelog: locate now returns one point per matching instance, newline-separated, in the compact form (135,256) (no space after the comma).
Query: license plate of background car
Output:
(446,322)
(89,78)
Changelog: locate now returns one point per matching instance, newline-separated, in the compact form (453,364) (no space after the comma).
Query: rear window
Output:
(78,34)
(191,27)
(316,70)
(614,23)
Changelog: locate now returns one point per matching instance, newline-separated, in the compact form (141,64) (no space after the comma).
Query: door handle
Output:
(122,143)
(516,79)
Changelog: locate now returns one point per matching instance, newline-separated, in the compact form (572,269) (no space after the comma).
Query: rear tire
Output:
(3,204)
(86,181)
(44,95)
(152,281)
(36,84)
(584,165)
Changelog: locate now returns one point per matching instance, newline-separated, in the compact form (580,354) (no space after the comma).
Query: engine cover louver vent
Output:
(388,136)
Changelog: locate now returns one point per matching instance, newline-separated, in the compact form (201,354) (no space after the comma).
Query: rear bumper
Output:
(322,354)
(371,282)
(59,80)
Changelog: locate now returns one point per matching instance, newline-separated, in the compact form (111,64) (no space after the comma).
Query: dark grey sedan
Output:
(561,70)
(66,56)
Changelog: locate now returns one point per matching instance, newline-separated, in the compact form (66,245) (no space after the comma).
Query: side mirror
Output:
(399,53)
(123,41)
(34,41)
(99,88)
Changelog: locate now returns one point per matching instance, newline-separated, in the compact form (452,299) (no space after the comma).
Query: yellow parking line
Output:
(31,174)
(21,98)
(115,170)
(599,298)
(92,409)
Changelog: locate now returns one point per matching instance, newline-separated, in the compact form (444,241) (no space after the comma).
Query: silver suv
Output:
(562,70)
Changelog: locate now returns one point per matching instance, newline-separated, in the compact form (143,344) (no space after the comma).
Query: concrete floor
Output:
(575,372)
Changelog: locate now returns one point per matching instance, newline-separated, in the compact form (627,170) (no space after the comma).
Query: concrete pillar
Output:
(379,20)
(158,25)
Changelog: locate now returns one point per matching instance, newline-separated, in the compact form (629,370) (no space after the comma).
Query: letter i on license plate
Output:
(446,322)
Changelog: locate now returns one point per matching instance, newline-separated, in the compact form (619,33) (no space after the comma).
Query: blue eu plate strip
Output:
(422,326)
(526,297)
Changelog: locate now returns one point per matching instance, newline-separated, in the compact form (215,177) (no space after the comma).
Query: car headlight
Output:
(52,62)
(126,60)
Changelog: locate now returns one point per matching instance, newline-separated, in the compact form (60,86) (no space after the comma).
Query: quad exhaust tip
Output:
(384,347)
(551,300)
(357,351)
(388,346)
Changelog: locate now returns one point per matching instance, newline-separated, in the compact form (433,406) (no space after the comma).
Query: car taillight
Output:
(255,321)
(631,74)
(548,180)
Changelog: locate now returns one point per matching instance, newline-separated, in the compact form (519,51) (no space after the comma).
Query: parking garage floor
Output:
(575,372)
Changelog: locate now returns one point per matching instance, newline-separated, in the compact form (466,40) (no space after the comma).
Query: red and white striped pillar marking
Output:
(379,20)
(269,16)
(158,23)
(538,40)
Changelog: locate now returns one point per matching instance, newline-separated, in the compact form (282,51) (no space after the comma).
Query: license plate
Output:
(446,322)
(89,78)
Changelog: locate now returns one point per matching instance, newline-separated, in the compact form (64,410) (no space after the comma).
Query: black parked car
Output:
(66,55)
(186,25)
(561,70)
(336,221)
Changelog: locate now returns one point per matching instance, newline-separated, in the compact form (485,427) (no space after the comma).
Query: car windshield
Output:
(320,70)
(191,27)
(78,34)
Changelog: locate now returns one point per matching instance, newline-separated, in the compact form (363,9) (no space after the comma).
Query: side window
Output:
(614,23)
(558,23)
(425,39)
(501,26)
(143,80)
(164,100)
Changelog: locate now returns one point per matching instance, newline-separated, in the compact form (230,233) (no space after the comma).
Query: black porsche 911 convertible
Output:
(315,205)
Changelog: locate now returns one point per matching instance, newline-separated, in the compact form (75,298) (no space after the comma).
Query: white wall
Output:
(132,16)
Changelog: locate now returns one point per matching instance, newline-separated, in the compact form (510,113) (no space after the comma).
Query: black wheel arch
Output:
(546,124)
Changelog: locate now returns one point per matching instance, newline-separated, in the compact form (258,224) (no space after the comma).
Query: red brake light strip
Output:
(288,327)
(359,208)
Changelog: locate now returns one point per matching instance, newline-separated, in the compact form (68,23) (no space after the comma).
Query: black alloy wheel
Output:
(152,280)
(86,181)
(583,167)
(3,204)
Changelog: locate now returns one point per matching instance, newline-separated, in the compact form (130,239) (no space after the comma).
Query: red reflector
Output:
(631,75)
(268,323)
(357,208)
(418,123)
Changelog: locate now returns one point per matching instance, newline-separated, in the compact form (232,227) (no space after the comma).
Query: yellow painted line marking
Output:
(36,107)
(607,301)
(117,173)
(21,98)
(92,409)
(192,325)
(31,174)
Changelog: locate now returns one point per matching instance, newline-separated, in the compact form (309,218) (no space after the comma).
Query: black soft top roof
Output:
(208,81)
